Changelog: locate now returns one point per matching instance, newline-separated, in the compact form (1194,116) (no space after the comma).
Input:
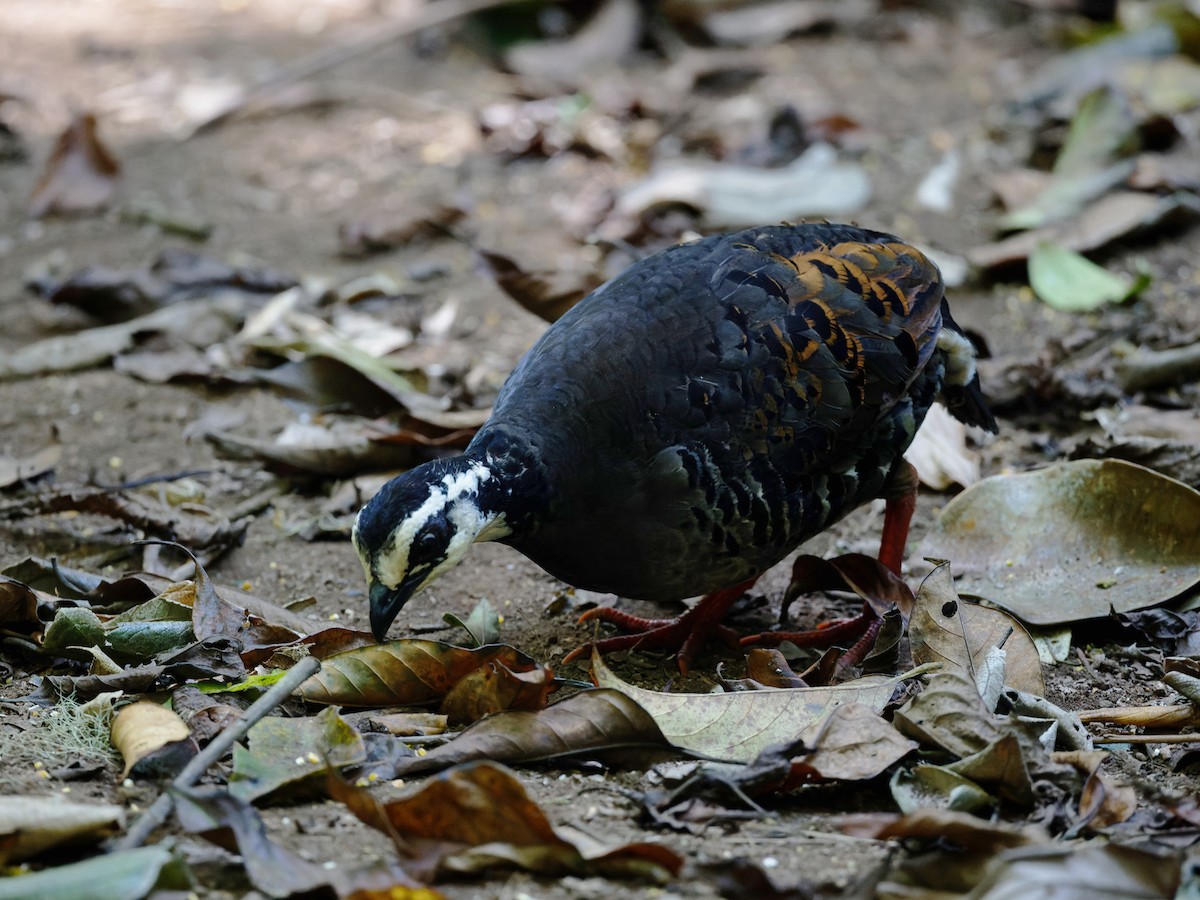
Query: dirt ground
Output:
(397,131)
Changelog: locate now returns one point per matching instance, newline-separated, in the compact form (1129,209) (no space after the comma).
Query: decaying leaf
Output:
(737,727)
(939,452)
(854,743)
(945,629)
(545,294)
(80,176)
(588,724)
(293,754)
(152,739)
(403,673)
(14,470)
(949,715)
(361,238)
(731,196)
(30,825)
(1072,541)
(608,37)
(477,817)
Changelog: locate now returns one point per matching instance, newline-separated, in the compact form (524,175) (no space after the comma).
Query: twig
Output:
(158,811)
(1151,368)
(430,16)
(1147,739)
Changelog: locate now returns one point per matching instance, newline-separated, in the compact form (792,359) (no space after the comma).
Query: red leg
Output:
(686,633)
(897,517)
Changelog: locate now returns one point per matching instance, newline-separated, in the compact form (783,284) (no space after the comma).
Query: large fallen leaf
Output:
(29,468)
(959,635)
(732,196)
(81,174)
(403,673)
(32,824)
(949,715)
(586,724)
(1072,541)
(478,817)
(1116,215)
(737,727)
(128,875)
(1070,282)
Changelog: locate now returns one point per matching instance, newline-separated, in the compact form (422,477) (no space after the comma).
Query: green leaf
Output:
(1070,282)
(117,876)
(73,626)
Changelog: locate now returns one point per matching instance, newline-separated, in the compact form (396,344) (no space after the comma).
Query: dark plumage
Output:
(689,423)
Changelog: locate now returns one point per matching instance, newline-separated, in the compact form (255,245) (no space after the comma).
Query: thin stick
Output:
(430,16)
(158,811)
(1147,739)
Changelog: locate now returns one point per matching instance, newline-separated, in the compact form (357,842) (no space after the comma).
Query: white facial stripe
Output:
(454,498)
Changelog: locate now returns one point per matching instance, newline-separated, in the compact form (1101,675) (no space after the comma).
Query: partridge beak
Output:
(386,603)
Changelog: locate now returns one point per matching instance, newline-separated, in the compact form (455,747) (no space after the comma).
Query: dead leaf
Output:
(152,740)
(962,830)
(274,870)
(403,673)
(607,38)
(293,755)
(14,470)
(477,817)
(854,743)
(80,176)
(364,237)
(939,451)
(33,824)
(1114,216)
(494,687)
(1072,541)
(1086,873)
(587,724)
(762,24)
(945,629)
(738,727)
(95,346)
(937,787)
(730,196)
(949,714)
(547,295)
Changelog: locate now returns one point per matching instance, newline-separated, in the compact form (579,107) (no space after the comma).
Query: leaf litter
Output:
(976,736)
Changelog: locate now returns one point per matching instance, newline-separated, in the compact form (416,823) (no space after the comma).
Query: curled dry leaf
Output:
(1073,541)
(586,724)
(80,176)
(949,715)
(493,687)
(403,673)
(478,816)
(151,738)
(737,727)
(547,295)
(854,743)
(947,630)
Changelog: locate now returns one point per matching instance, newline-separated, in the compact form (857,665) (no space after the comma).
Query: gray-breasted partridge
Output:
(689,423)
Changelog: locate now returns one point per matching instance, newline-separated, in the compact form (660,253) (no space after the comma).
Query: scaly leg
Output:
(686,633)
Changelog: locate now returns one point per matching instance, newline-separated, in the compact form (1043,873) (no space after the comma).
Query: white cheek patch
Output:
(392,564)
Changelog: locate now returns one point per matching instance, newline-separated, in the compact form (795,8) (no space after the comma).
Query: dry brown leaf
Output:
(403,673)
(1072,541)
(142,729)
(949,714)
(854,743)
(80,176)
(30,825)
(737,727)
(945,629)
